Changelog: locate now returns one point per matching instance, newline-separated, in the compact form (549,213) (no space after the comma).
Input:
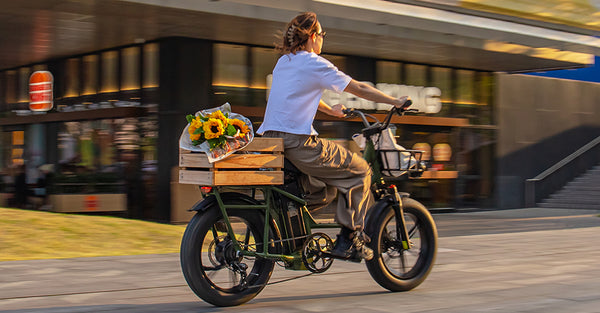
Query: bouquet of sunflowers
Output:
(217,132)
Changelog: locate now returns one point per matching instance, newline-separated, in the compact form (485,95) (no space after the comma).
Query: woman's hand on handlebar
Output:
(337,110)
(403,102)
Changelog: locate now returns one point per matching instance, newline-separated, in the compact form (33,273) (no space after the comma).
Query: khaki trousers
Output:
(330,169)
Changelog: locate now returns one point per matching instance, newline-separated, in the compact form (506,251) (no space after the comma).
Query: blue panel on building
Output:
(589,74)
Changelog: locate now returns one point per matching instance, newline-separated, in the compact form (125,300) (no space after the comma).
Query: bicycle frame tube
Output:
(270,213)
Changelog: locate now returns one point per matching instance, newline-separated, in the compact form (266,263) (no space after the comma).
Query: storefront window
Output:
(151,65)
(130,69)
(90,74)
(110,66)
(416,75)
(263,62)
(72,78)
(230,74)
(24,74)
(11,86)
(389,72)
(441,77)
(465,87)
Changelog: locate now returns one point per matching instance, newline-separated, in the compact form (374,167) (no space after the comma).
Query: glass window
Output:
(24,74)
(72,78)
(231,66)
(110,65)
(465,87)
(11,86)
(416,75)
(130,70)
(263,62)
(230,74)
(441,77)
(90,74)
(389,72)
(151,65)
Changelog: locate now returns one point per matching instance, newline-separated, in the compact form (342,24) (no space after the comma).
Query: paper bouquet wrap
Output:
(217,132)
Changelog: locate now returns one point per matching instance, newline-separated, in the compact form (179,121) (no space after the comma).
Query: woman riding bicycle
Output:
(299,79)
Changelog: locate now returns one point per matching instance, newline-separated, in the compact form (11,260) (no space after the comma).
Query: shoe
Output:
(359,242)
(343,248)
(353,249)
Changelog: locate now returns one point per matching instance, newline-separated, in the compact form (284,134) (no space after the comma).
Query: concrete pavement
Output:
(528,260)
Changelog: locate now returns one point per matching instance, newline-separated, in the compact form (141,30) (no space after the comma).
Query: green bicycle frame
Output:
(270,213)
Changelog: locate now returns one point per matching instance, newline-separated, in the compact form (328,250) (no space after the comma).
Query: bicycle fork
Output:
(400,222)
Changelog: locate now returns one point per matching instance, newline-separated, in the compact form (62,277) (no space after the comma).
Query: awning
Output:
(38,30)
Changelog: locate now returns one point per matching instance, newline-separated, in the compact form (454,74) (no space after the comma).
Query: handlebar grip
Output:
(406,104)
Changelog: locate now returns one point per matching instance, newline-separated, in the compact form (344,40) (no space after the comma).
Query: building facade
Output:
(119,107)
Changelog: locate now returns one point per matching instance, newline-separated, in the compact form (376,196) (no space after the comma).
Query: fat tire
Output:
(379,271)
(192,248)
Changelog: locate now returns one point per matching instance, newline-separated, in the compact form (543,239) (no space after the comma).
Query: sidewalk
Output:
(547,263)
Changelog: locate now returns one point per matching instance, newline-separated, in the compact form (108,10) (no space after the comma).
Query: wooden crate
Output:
(259,163)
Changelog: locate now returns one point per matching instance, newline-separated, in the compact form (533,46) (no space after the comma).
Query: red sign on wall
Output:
(40,91)
(91,203)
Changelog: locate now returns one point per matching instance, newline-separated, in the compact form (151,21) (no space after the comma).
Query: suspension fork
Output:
(400,222)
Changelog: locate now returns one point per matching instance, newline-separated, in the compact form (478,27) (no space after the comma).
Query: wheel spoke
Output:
(247,238)
(413,230)
(215,234)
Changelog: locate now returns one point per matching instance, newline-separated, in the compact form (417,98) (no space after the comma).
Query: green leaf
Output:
(231,130)
(189,118)
(199,131)
(213,142)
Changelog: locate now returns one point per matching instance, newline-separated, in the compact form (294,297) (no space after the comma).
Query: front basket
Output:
(396,163)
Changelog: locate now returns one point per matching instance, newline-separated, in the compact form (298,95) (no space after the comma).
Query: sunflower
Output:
(213,128)
(239,125)
(218,115)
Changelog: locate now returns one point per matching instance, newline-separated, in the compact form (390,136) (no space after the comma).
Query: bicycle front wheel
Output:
(213,268)
(396,268)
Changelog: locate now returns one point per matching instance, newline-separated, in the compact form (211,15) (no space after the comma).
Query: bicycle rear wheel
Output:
(396,268)
(210,264)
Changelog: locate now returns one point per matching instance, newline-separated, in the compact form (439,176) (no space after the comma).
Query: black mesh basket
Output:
(396,163)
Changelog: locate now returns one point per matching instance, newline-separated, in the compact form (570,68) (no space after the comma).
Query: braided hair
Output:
(297,33)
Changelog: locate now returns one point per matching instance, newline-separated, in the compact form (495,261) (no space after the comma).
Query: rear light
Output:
(205,190)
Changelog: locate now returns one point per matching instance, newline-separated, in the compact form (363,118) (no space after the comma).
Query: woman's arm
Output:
(335,110)
(369,92)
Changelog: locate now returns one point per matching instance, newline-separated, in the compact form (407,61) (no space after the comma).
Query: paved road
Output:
(528,260)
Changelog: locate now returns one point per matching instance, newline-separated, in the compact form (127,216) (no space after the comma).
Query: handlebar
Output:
(377,126)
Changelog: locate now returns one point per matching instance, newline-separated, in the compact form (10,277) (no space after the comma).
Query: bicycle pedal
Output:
(352,258)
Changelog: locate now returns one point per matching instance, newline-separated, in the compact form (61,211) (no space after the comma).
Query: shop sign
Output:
(91,203)
(40,91)
(425,99)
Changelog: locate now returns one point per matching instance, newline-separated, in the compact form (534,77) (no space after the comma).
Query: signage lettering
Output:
(425,99)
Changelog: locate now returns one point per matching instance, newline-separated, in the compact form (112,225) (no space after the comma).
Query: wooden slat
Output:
(204,178)
(200,160)
(230,178)
(226,178)
(263,144)
(251,161)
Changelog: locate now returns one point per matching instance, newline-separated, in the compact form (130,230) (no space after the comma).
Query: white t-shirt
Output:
(298,83)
